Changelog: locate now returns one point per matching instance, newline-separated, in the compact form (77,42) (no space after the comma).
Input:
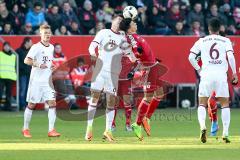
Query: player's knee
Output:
(147,99)
(159,93)
(111,101)
(31,106)
(94,98)
(52,104)
(127,100)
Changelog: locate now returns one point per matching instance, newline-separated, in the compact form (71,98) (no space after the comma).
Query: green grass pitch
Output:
(175,135)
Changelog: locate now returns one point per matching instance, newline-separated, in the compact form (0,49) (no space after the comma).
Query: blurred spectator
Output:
(36,16)
(236,15)
(174,15)
(79,78)
(141,20)
(53,18)
(78,72)
(86,17)
(178,30)
(195,29)
(235,3)
(5,15)
(104,14)
(7,75)
(7,29)
(24,71)
(214,13)
(156,22)
(68,15)
(226,11)
(222,30)
(62,30)
(19,17)
(99,27)
(196,14)
(72,3)
(58,57)
(26,29)
(75,29)
(61,79)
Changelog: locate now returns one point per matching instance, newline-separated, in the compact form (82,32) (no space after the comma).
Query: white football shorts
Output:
(105,81)
(218,84)
(40,94)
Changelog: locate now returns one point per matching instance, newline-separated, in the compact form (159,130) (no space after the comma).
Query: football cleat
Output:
(89,135)
(137,130)
(128,128)
(203,136)
(146,125)
(226,139)
(26,133)
(53,133)
(214,128)
(107,135)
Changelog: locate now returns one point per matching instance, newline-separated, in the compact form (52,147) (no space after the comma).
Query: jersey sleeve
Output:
(229,46)
(196,48)
(32,52)
(99,37)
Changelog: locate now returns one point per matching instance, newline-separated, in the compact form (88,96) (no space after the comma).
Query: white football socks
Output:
(225,120)
(109,118)
(202,116)
(51,118)
(27,117)
(91,114)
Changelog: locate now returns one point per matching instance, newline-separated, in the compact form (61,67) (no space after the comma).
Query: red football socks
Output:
(142,109)
(152,107)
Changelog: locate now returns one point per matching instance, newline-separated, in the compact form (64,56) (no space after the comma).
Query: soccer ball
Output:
(130,12)
(186,103)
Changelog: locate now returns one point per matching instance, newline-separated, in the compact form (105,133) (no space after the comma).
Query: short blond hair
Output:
(44,26)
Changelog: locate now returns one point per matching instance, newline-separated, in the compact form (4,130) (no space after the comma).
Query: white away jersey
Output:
(110,49)
(41,54)
(213,49)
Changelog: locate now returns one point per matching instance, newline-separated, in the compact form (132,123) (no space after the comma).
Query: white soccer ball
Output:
(186,103)
(130,12)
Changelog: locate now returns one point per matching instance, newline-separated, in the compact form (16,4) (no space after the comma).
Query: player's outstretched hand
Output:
(43,66)
(235,79)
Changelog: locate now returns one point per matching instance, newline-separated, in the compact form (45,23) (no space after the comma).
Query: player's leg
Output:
(158,95)
(111,103)
(222,94)
(96,89)
(128,111)
(27,119)
(142,109)
(92,107)
(111,90)
(52,118)
(206,87)
(202,118)
(226,116)
(49,98)
(34,96)
(212,112)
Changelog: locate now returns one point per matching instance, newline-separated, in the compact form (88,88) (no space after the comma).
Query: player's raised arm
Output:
(195,50)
